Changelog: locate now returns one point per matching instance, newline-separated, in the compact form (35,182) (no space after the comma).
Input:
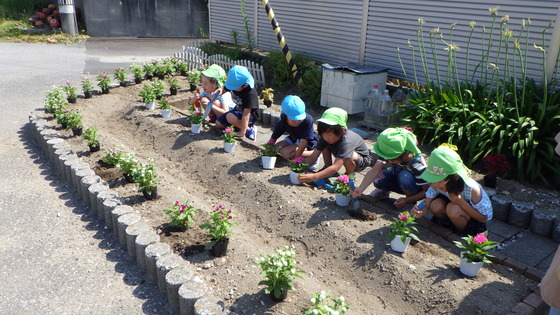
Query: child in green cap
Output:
(453,194)
(213,79)
(347,147)
(398,169)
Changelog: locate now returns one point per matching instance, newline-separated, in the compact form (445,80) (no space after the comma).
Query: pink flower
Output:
(197,112)
(182,210)
(299,159)
(480,238)
(403,217)
(176,203)
(344,178)
(230,217)
(228,130)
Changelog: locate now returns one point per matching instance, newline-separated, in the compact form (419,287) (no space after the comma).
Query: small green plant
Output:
(70,90)
(182,215)
(120,75)
(247,27)
(113,156)
(148,68)
(90,135)
(269,150)
(183,67)
(137,71)
(164,104)
(477,248)
(146,177)
(323,304)
(55,98)
(342,183)
(160,69)
(87,86)
(202,33)
(73,119)
(267,94)
(127,163)
(158,86)
(196,118)
(229,135)
(234,36)
(173,82)
(147,93)
(279,269)
(402,226)
(103,80)
(194,76)
(298,164)
(219,227)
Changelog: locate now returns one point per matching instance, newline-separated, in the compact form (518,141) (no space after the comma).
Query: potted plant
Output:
(74,122)
(54,98)
(267,95)
(229,139)
(90,135)
(323,304)
(113,156)
(269,153)
(341,189)
(137,72)
(280,270)
(121,76)
(196,119)
(148,96)
(182,215)
(103,81)
(126,164)
(183,67)
(158,86)
(87,86)
(145,176)
(402,227)
(148,68)
(70,92)
(297,166)
(194,78)
(219,230)
(173,84)
(165,108)
(495,165)
(475,253)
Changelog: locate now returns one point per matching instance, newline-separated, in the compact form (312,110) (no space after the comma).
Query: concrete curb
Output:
(169,271)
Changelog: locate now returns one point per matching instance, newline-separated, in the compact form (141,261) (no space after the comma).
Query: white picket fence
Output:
(196,58)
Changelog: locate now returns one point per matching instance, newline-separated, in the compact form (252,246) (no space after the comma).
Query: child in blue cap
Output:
(301,139)
(241,83)
(347,147)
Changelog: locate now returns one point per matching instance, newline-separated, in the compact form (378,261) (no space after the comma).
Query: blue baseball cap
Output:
(237,76)
(293,107)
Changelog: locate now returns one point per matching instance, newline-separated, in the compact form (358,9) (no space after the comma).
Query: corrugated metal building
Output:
(370,31)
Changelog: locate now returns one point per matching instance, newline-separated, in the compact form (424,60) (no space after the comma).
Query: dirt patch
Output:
(338,252)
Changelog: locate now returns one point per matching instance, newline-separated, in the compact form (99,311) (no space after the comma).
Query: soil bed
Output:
(339,253)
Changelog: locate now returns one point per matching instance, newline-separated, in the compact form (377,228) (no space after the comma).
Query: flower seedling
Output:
(269,150)
(279,269)
(173,82)
(267,94)
(146,177)
(476,247)
(182,215)
(229,135)
(70,90)
(219,227)
(323,304)
(120,75)
(496,164)
(90,135)
(298,164)
(197,117)
(103,80)
(127,163)
(113,156)
(402,226)
(341,184)
(164,104)
(137,71)
(147,93)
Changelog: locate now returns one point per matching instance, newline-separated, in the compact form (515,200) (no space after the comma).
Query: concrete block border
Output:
(170,272)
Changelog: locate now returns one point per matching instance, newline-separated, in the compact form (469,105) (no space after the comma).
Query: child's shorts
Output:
(223,118)
(310,145)
(362,162)
(474,227)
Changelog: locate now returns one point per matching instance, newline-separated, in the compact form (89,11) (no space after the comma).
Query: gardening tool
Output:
(321,182)
(209,106)
(355,201)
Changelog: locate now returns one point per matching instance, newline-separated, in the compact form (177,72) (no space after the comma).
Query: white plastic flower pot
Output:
(294,178)
(229,146)
(151,105)
(342,200)
(268,162)
(469,269)
(166,113)
(397,244)
(196,128)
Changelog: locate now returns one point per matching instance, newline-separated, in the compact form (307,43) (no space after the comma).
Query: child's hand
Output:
(197,94)
(399,203)
(456,199)
(417,213)
(204,101)
(356,192)
(305,178)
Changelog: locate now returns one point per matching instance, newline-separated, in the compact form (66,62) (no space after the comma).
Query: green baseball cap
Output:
(217,73)
(443,162)
(393,142)
(334,116)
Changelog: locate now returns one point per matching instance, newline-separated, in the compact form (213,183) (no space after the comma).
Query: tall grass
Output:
(14,8)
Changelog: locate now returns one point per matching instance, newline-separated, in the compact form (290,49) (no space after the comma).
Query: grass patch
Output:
(21,32)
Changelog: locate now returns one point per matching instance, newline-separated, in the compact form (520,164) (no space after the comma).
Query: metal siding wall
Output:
(384,35)
(225,15)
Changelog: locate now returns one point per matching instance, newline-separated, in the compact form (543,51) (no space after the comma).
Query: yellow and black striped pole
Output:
(281,41)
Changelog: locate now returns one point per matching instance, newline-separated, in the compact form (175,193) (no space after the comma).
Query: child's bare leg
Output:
(233,120)
(288,151)
(438,208)
(458,216)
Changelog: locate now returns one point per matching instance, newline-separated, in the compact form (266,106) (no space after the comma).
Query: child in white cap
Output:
(301,139)
(241,83)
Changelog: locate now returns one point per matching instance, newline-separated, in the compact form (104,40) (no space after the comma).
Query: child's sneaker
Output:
(252,133)
(314,166)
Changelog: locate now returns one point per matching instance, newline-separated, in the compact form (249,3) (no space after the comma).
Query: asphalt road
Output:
(54,258)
